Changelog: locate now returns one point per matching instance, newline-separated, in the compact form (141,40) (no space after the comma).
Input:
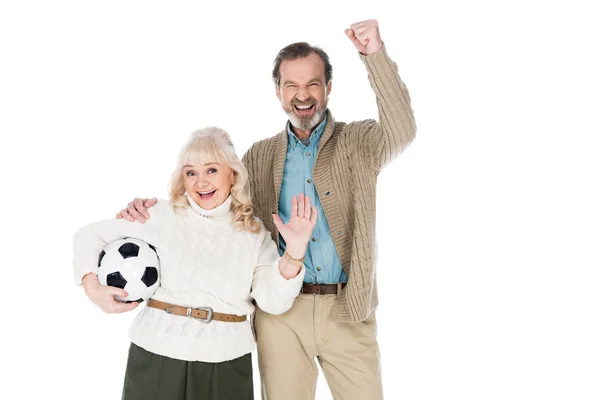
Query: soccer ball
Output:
(130,264)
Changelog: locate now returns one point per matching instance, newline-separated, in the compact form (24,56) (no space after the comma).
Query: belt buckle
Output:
(206,320)
(169,310)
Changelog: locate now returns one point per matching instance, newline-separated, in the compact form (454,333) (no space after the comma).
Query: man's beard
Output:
(306,123)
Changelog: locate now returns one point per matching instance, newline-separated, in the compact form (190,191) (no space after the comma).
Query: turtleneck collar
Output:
(219,211)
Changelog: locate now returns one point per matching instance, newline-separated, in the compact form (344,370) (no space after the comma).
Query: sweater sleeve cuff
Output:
(378,63)
(286,287)
(82,267)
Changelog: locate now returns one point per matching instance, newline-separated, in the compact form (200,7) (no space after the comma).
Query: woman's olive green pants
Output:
(150,376)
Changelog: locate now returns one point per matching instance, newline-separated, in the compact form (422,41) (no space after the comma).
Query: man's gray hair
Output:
(300,50)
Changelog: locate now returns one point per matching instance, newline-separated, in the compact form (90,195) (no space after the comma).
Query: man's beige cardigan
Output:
(347,164)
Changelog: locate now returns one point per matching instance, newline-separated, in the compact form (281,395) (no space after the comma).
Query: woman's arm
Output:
(277,280)
(276,283)
(90,240)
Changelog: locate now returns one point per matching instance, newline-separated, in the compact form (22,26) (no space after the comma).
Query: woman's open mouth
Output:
(206,195)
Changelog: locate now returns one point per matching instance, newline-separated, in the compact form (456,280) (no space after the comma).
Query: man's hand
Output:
(365,36)
(104,296)
(137,210)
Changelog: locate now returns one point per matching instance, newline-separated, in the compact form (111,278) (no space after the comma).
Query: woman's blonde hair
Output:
(213,145)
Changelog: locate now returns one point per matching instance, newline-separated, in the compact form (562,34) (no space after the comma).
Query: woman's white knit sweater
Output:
(204,262)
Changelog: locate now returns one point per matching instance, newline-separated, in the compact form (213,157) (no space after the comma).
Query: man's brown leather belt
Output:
(204,314)
(330,288)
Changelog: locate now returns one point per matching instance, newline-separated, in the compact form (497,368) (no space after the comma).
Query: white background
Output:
(488,225)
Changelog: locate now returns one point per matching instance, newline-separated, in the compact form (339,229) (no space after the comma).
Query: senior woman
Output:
(214,253)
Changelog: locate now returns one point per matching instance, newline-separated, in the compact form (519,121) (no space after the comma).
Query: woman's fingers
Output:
(307,207)
(294,206)
(115,291)
(278,222)
(300,205)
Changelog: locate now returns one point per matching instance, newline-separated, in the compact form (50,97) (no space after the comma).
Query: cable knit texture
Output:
(204,262)
(349,159)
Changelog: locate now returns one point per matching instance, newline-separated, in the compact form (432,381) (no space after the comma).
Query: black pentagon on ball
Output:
(116,279)
(134,301)
(129,250)
(101,257)
(150,276)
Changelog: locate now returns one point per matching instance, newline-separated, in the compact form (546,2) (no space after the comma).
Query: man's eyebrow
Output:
(316,79)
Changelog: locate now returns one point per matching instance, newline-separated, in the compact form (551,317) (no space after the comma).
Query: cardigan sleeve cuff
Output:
(379,64)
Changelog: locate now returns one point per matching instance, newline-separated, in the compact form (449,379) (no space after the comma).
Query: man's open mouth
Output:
(303,109)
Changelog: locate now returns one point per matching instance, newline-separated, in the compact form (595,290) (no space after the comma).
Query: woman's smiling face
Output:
(208,185)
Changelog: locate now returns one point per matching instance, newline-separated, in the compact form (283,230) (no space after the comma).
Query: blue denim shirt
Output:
(321,259)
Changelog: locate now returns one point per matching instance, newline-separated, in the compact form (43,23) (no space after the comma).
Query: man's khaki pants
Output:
(289,343)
